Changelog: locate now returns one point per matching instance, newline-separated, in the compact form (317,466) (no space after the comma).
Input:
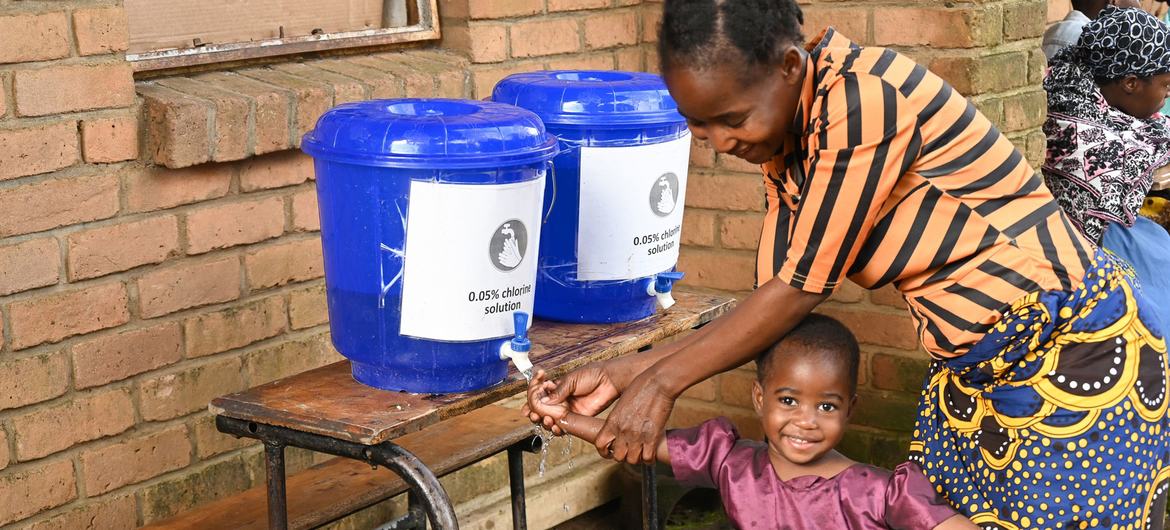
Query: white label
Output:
(470,258)
(630,221)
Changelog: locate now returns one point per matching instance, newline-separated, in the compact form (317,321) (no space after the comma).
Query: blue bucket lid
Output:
(430,134)
(597,98)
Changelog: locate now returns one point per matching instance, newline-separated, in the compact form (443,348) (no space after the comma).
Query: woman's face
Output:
(1140,98)
(748,120)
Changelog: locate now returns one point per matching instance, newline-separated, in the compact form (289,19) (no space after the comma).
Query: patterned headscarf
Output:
(1100,160)
(1124,42)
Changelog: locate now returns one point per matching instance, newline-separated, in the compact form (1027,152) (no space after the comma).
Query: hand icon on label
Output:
(511,256)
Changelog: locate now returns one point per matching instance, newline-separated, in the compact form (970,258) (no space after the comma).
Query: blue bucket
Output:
(430,217)
(613,213)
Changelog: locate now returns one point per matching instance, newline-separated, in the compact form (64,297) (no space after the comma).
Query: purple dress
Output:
(860,497)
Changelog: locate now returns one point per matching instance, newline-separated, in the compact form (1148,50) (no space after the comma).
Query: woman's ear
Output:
(1130,83)
(792,65)
(758,397)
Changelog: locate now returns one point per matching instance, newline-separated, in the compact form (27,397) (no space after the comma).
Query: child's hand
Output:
(538,390)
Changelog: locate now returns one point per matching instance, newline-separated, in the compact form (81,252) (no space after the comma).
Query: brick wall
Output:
(159,246)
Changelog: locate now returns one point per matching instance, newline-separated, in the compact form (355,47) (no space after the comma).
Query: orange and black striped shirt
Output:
(896,178)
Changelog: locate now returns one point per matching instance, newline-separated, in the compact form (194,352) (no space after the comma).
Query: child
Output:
(804,394)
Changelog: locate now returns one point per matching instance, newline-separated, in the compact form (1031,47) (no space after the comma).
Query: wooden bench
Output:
(329,491)
(416,436)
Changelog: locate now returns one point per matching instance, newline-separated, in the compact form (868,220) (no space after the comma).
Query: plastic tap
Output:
(518,348)
(661,287)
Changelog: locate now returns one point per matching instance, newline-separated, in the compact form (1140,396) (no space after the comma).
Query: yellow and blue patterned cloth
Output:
(1057,418)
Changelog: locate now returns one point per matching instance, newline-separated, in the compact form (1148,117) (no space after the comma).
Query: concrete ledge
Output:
(233,115)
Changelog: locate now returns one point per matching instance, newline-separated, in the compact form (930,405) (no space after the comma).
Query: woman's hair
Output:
(820,336)
(703,33)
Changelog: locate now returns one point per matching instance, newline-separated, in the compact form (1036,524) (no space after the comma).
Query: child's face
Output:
(804,405)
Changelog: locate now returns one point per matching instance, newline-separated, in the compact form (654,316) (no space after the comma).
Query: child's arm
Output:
(583,427)
(958,522)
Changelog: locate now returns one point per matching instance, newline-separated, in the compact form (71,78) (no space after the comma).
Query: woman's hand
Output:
(637,423)
(586,391)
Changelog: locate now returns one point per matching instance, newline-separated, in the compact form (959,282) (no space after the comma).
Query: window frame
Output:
(426,13)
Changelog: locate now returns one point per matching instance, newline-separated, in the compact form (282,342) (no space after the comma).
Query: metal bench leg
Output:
(649,497)
(277,499)
(516,481)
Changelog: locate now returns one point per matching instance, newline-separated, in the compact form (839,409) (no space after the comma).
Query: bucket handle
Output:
(552,169)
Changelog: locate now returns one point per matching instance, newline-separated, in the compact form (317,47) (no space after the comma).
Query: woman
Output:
(1107,141)
(878,171)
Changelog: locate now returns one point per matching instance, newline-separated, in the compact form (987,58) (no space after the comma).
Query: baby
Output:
(805,391)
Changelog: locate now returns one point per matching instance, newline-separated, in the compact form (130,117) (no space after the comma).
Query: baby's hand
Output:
(538,390)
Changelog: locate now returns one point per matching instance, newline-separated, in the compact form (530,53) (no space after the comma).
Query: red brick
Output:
(736,164)
(724,269)
(705,390)
(504,8)
(877,327)
(888,296)
(235,223)
(189,285)
(575,5)
(4,456)
(740,231)
(54,203)
(103,513)
(1024,20)
(852,21)
(210,442)
(101,251)
(177,130)
(938,27)
(451,73)
(483,80)
(544,37)
(307,307)
(735,388)
(892,372)
(275,171)
(312,98)
(702,155)
(416,75)
(980,74)
(699,227)
(106,140)
(163,397)
(28,265)
(155,188)
(271,109)
(58,89)
(611,29)
(230,112)
(305,216)
(115,357)
(482,42)
(628,59)
(284,263)
(101,30)
(725,192)
(36,488)
(345,89)
(134,460)
(3,95)
(379,84)
(848,292)
(26,38)
(64,314)
(289,358)
(32,379)
(192,487)
(1024,111)
(84,417)
(593,61)
(36,150)
(651,24)
(235,327)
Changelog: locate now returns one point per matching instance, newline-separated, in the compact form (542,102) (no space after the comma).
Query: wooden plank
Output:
(328,401)
(334,489)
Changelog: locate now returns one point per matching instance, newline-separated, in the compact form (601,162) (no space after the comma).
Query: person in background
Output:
(1066,32)
(805,391)
(1107,141)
